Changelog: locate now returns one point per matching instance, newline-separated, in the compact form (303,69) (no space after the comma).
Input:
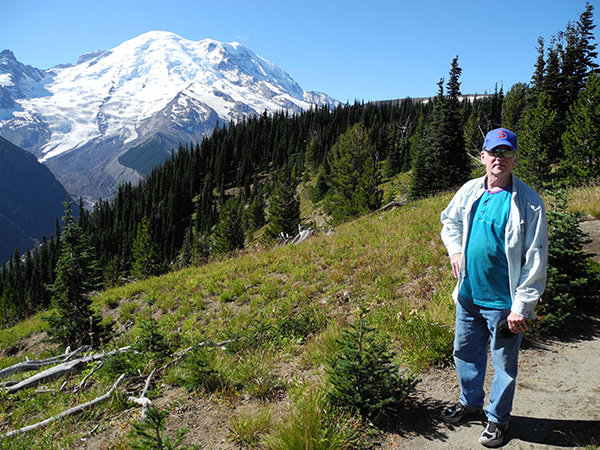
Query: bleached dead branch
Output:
(67,412)
(142,400)
(60,370)
(29,366)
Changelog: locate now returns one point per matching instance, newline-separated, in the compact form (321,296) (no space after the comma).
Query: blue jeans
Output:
(475,330)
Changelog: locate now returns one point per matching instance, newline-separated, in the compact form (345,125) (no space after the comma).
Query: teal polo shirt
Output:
(486,281)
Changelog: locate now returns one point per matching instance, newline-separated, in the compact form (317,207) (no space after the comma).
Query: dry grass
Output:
(285,306)
(586,200)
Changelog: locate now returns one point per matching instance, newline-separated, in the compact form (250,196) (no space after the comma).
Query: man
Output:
(496,235)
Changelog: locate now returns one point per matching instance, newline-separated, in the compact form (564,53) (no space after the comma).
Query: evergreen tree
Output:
(72,320)
(354,176)
(560,74)
(536,140)
(397,148)
(442,161)
(362,375)
(143,253)
(195,249)
(581,141)
(496,102)
(585,28)
(255,214)
(426,171)
(229,234)
(572,286)
(537,79)
(151,341)
(473,135)
(514,105)
(149,433)
(578,60)
(284,209)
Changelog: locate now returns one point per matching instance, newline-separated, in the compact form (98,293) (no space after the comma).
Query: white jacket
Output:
(526,240)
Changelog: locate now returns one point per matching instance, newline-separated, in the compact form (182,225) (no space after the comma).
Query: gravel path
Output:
(557,403)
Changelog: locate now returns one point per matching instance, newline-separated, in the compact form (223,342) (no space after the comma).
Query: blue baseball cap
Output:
(498,137)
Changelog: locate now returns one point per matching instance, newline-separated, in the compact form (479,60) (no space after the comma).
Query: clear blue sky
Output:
(351,50)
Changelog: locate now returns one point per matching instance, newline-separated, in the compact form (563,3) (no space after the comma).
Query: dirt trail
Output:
(557,403)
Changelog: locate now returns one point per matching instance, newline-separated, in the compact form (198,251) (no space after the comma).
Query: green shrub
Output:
(572,285)
(362,375)
(129,363)
(319,349)
(128,311)
(198,374)
(150,339)
(265,387)
(149,433)
(306,322)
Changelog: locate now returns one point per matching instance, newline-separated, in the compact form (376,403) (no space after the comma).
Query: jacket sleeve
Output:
(532,279)
(452,221)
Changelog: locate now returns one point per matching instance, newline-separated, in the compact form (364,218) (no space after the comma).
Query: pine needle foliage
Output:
(572,286)
(148,434)
(72,320)
(199,374)
(143,251)
(363,378)
(151,341)
(354,177)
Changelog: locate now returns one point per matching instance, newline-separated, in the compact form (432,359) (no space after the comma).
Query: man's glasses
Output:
(501,154)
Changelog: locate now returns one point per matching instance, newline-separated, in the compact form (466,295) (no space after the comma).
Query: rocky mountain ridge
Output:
(82,120)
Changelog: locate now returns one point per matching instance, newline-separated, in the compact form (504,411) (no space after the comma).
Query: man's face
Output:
(500,161)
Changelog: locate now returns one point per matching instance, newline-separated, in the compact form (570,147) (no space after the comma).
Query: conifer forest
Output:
(213,197)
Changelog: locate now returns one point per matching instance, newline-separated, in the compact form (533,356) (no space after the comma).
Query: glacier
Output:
(79,119)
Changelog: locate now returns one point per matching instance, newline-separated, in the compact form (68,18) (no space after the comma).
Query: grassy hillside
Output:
(393,261)
(279,310)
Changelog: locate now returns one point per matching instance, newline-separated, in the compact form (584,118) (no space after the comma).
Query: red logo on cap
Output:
(502,134)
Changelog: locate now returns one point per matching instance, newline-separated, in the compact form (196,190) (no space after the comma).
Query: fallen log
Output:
(48,374)
(59,370)
(390,205)
(29,366)
(67,412)
(142,400)
(98,366)
(303,234)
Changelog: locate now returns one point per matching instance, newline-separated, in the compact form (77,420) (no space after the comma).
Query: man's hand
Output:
(517,323)
(455,261)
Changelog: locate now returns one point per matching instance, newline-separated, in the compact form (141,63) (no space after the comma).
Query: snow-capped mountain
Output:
(83,121)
